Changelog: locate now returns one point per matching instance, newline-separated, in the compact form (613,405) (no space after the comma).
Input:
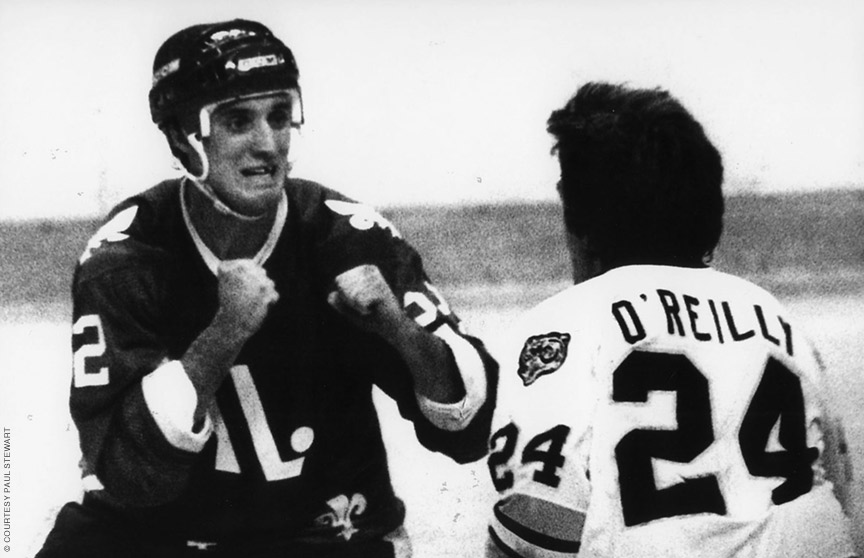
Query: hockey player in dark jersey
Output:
(229,327)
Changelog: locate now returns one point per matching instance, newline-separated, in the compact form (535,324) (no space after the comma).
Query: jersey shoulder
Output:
(141,231)
(548,339)
(572,312)
(344,233)
(317,205)
(573,307)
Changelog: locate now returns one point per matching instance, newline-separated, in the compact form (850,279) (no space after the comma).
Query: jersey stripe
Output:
(513,537)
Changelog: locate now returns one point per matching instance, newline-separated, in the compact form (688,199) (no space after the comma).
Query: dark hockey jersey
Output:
(296,451)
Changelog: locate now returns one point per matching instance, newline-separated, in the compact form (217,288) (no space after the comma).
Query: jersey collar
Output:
(263,254)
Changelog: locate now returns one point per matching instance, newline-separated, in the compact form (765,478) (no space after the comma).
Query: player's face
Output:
(248,152)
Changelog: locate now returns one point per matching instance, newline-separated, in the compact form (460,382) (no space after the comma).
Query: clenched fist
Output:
(363,295)
(245,295)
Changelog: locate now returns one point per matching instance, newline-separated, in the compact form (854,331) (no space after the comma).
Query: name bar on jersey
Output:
(704,320)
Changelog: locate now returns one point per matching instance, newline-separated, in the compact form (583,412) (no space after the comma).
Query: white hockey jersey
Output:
(664,411)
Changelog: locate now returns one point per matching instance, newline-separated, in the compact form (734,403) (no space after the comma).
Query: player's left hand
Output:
(363,295)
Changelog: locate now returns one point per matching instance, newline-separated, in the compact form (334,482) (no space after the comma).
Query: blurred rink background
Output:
(434,112)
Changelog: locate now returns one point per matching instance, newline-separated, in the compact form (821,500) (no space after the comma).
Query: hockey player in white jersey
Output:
(659,408)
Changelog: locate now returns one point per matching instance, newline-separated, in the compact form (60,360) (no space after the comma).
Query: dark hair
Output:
(639,178)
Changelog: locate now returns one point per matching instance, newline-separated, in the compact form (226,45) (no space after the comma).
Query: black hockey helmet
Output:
(209,63)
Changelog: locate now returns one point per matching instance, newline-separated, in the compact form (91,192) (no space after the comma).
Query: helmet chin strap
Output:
(199,181)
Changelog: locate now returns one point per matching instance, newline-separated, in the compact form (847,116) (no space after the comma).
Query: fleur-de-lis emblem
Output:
(362,217)
(112,231)
(343,514)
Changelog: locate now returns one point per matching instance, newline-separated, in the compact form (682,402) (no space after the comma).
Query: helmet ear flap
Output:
(298,114)
(178,143)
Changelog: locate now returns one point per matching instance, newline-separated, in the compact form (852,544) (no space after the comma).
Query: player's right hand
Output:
(245,295)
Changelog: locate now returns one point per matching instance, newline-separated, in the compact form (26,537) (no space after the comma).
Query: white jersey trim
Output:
(456,416)
(171,398)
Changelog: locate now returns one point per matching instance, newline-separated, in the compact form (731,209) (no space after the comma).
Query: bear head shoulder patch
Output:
(541,355)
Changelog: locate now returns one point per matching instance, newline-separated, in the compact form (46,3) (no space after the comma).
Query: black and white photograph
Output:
(432,279)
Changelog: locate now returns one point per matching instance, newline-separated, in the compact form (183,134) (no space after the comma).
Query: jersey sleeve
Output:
(116,352)
(359,235)
(538,459)
(461,429)
(837,461)
(530,527)
(835,458)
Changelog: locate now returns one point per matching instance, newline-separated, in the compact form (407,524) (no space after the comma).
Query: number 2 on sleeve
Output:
(422,308)
(88,350)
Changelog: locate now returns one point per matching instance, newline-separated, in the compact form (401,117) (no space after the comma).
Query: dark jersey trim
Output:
(502,546)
